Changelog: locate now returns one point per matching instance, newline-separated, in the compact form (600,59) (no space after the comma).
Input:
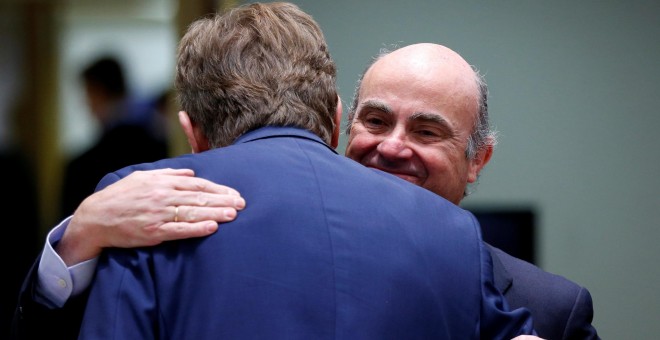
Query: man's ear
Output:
(479,162)
(335,133)
(198,142)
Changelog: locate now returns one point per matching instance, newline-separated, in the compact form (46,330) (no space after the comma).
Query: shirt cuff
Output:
(57,282)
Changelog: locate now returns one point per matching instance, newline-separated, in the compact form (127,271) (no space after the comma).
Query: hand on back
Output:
(145,209)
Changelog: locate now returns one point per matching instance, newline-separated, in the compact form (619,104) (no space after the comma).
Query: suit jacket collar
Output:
(280,131)
(503,279)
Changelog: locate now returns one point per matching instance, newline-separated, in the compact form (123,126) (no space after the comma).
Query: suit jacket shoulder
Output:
(561,308)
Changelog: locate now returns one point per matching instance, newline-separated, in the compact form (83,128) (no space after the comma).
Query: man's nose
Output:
(394,146)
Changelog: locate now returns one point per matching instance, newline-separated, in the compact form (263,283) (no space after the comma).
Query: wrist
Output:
(78,243)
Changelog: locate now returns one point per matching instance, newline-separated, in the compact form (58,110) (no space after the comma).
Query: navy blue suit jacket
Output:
(561,309)
(325,249)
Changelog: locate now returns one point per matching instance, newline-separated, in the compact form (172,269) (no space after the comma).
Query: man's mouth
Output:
(405,176)
(409,178)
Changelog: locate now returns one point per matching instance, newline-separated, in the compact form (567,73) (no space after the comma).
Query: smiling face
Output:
(416,110)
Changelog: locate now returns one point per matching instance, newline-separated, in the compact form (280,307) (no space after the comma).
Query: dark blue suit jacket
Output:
(325,249)
(561,309)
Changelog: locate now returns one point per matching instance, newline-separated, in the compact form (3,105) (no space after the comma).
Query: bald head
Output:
(422,61)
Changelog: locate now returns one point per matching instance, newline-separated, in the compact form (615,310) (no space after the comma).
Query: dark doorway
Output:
(512,230)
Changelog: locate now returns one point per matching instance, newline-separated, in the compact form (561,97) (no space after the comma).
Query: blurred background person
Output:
(132,132)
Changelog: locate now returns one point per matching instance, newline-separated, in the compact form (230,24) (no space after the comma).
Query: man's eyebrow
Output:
(433,118)
(378,105)
(430,117)
(417,116)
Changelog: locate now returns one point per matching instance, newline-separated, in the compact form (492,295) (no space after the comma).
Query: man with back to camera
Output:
(372,293)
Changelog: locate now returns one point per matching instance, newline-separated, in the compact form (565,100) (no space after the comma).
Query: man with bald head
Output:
(419,113)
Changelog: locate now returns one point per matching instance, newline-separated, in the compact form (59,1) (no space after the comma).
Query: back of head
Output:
(106,74)
(256,65)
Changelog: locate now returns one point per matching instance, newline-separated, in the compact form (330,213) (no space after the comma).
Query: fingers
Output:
(195,191)
(201,185)
(178,187)
(182,230)
(139,210)
(170,171)
(183,179)
(152,196)
(192,199)
(199,214)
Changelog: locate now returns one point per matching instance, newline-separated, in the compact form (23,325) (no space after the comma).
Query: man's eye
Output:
(427,133)
(431,135)
(374,122)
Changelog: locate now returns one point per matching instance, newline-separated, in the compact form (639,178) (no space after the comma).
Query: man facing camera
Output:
(420,113)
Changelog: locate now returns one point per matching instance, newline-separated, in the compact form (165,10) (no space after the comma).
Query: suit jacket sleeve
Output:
(497,320)
(122,300)
(33,320)
(579,325)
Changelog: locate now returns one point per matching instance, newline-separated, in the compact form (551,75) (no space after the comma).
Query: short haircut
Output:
(256,65)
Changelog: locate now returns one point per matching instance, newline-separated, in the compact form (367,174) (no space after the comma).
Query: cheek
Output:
(443,168)
(359,143)
(435,159)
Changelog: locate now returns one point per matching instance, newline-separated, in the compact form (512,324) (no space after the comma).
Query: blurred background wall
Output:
(574,95)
